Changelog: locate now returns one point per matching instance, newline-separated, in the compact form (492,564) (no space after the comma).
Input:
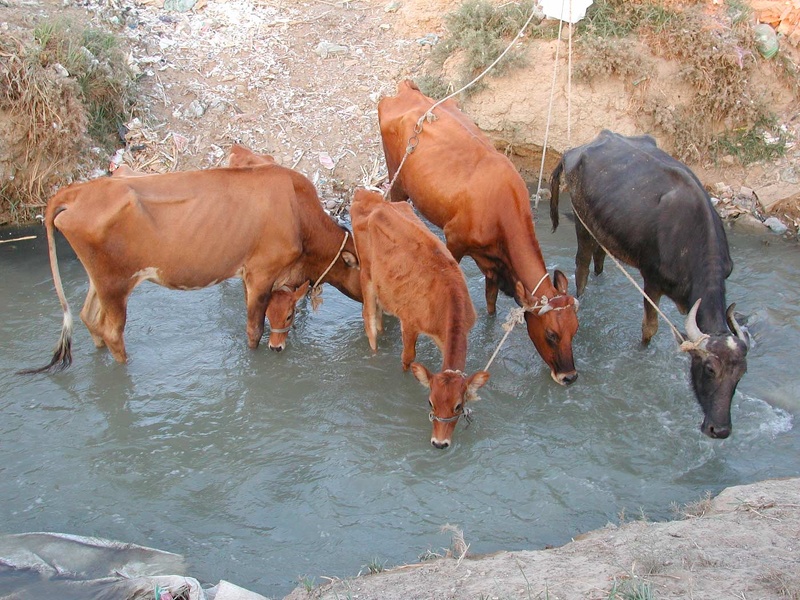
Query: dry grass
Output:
(60,92)
(716,51)
(477,33)
(694,509)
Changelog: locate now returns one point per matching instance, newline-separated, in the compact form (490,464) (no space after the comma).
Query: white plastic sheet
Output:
(569,11)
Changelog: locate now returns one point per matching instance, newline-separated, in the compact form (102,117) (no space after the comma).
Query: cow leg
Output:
(599,258)
(409,345)
(92,315)
(257,293)
(491,292)
(587,246)
(650,321)
(370,311)
(112,311)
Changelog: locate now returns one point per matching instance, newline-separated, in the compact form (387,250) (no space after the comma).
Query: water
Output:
(264,468)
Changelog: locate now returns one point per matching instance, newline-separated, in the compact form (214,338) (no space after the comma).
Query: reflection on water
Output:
(262,467)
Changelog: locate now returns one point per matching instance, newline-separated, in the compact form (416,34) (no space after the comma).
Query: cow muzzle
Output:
(715,430)
(450,422)
(565,379)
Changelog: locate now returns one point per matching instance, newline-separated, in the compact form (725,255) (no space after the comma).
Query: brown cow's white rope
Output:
(515,316)
(316,289)
(428,115)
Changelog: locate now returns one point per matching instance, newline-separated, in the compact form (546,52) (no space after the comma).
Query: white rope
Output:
(316,291)
(549,115)
(429,113)
(633,281)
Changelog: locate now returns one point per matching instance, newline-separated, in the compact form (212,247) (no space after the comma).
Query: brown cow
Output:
(461,183)
(190,230)
(408,272)
(281,311)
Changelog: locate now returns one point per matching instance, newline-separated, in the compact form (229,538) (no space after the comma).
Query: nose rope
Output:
(517,315)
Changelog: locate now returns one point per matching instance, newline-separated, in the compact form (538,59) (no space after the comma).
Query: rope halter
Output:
(542,305)
(284,288)
(466,412)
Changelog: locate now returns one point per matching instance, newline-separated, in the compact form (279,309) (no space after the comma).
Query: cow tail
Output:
(555,184)
(62,356)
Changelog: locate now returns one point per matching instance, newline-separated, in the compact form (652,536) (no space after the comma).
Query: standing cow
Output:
(650,211)
(461,183)
(190,230)
(408,272)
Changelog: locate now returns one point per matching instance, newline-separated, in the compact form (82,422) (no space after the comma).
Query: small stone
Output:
(325,49)
(776,225)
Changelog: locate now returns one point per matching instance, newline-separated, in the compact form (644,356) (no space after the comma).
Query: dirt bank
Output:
(745,543)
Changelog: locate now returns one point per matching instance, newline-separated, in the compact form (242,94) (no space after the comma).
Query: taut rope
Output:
(429,116)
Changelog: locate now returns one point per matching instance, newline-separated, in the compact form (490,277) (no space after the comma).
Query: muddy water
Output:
(265,468)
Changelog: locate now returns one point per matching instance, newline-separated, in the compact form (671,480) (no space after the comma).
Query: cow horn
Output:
(734,326)
(576,304)
(692,330)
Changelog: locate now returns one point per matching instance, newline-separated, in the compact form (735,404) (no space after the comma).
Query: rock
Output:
(179,5)
(325,49)
(776,225)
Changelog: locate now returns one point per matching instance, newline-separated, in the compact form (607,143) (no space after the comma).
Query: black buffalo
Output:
(650,211)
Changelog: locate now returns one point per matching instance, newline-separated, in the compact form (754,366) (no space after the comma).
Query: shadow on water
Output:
(261,468)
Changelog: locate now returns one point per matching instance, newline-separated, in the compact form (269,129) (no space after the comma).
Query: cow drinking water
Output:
(461,183)
(650,211)
(408,272)
(190,230)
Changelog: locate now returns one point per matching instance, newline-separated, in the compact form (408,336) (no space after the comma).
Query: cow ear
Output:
(476,381)
(422,374)
(561,282)
(301,291)
(350,260)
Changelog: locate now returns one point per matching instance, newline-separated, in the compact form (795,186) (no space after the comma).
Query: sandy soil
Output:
(743,544)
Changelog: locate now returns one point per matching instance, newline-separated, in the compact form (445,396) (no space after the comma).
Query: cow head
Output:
(718,363)
(450,392)
(280,314)
(552,323)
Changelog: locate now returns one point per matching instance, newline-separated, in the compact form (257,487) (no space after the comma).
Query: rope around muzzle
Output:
(466,412)
(517,316)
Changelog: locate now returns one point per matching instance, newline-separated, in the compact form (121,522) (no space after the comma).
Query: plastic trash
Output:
(766,40)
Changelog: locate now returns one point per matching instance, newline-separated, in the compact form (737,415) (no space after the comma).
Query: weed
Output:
(374,566)
(428,555)
(478,32)
(763,141)
(603,57)
(307,582)
(698,508)
(95,61)
(66,84)
(785,585)
(717,55)
(633,588)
